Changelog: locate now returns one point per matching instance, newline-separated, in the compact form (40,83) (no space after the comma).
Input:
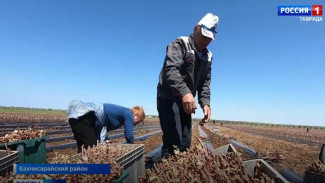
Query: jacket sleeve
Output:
(128,128)
(172,66)
(204,89)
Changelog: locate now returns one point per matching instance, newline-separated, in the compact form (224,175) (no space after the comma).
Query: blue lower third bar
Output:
(62,169)
(39,181)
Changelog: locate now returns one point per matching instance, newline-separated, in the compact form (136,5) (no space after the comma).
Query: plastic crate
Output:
(266,168)
(312,177)
(30,151)
(121,178)
(224,149)
(133,163)
(7,161)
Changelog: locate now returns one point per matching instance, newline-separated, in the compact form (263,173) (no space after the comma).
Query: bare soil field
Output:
(296,155)
(312,137)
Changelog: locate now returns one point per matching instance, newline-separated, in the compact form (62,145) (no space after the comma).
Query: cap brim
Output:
(207,33)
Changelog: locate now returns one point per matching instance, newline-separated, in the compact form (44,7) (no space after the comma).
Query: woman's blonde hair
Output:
(139,112)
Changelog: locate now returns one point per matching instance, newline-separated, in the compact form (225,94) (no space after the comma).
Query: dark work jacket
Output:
(184,72)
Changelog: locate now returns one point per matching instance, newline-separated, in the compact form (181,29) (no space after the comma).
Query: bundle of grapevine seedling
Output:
(18,135)
(316,167)
(104,153)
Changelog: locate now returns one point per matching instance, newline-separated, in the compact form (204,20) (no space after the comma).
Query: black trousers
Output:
(83,129)
(175,124)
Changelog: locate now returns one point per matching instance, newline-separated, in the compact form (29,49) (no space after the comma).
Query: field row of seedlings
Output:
(218,141)
(137,132)
(43,117)
(31,133)
(151,143)
(73,150)
(312,137)
(281,154)
(11,118)
(5,130)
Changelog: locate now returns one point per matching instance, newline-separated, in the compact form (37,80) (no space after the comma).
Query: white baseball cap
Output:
(209,25)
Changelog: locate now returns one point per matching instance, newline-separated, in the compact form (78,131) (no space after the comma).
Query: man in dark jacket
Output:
(186,69)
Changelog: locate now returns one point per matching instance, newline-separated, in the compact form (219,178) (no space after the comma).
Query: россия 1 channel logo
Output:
(306,12)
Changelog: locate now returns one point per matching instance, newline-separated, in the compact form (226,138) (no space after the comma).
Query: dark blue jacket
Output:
(116,116)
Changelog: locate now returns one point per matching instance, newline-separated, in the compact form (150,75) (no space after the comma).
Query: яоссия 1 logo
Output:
(306,12)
